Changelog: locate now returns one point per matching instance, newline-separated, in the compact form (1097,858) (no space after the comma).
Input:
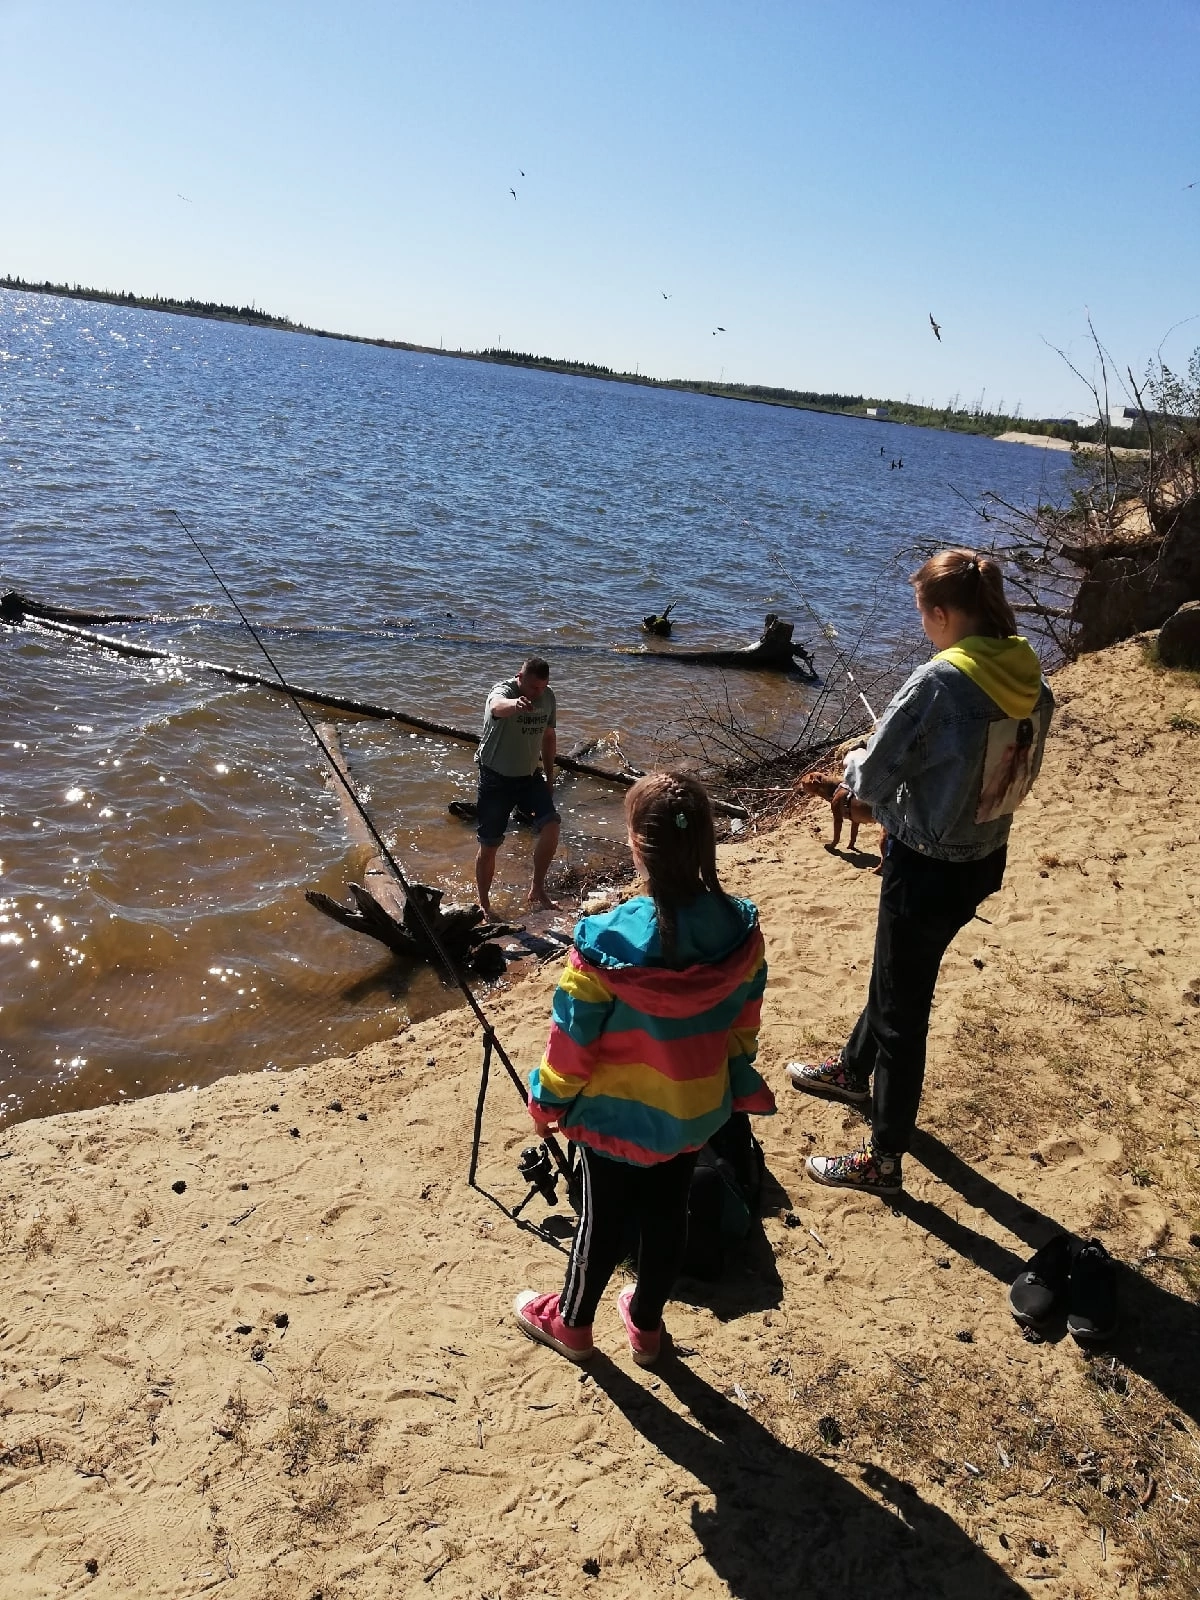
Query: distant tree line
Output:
(122,297)
(953,416)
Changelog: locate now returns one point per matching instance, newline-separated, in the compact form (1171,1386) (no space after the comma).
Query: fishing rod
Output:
(828,630)
(542,1179)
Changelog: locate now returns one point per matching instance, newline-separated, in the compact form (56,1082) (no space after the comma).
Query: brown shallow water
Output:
(153,927)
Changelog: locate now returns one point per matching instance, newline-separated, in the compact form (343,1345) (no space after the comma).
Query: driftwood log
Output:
(401,916)
(775,651)
(16,607)
(22,611)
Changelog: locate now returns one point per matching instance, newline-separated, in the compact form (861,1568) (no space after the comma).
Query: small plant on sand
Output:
(235,1420)
(38,1240)
(314,1435)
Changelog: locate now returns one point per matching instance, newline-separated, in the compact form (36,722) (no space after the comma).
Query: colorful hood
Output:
(716,937)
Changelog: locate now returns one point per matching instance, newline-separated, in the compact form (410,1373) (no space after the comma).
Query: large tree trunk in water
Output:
(1136,590)
(399,915)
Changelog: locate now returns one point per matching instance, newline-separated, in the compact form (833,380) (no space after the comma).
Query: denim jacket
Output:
(923,770)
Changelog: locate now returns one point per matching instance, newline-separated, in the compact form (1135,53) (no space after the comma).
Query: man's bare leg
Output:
(485,871)
(543,855)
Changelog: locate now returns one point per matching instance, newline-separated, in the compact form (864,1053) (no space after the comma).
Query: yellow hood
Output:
(1006,669)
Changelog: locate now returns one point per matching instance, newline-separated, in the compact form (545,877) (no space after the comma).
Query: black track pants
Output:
(622,1202)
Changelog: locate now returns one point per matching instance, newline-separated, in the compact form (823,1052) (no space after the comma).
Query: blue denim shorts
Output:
(500,796)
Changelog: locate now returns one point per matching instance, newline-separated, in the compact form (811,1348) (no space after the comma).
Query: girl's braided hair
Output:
(971,583)
(670,823)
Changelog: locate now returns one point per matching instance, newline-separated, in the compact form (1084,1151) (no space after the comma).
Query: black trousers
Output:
(617,1198)
(922,905)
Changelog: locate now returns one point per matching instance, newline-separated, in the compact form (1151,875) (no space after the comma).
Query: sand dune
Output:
(298,1376)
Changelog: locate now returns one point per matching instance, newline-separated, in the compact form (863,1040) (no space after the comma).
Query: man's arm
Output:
(549,750)
(502,707)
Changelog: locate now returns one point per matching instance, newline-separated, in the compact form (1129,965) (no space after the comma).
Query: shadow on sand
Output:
(1159,1333)
(785,1523)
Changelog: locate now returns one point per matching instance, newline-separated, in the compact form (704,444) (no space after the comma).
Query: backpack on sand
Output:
(724,1197)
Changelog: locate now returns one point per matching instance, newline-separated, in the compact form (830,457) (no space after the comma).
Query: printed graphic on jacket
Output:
(1008,764)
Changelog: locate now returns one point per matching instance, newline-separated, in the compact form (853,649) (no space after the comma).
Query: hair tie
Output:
(680,820)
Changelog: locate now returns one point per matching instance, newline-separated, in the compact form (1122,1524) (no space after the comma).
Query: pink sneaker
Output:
(537,1315)
(644,1347)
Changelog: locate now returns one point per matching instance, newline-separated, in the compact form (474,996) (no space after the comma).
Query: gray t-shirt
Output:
(512,745)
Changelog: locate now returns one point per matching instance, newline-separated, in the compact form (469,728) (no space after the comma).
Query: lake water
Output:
(403,528)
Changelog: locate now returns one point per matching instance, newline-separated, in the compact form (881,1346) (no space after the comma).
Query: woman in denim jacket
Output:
(952,757)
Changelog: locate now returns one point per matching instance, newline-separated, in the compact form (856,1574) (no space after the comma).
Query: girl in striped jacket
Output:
(652,1045)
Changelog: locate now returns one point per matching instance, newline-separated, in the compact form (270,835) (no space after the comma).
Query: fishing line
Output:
(490,1039)
(828,631)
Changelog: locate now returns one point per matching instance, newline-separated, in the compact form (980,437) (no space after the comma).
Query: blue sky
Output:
(814,178)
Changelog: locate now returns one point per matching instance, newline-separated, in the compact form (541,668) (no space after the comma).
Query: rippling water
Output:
(403,527)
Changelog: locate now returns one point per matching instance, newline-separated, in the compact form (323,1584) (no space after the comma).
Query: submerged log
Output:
(404,916)
(775,651)
(358,708)
(16,607)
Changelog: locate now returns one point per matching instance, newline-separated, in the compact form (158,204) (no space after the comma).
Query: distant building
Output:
(1116,419)
(879,412)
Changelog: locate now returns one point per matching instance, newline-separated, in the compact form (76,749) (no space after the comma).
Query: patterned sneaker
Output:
(537,1315)
(830,1080)
(644,1347)
(865,1169)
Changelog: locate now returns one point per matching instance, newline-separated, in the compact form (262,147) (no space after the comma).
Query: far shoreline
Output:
(860,408)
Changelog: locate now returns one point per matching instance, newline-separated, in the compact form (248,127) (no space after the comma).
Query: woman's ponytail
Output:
(969,582)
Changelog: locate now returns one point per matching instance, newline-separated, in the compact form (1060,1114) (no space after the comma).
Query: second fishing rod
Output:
(537,1172)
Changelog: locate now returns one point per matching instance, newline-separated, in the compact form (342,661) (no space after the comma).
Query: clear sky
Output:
(815,178)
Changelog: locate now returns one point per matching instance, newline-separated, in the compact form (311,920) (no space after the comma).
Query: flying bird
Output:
(720,329)
(519,170)
(513,192)
(937,328)
(1191,185)
(182,197)
(664,294)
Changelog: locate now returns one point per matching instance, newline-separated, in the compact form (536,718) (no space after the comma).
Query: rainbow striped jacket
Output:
(645,1061)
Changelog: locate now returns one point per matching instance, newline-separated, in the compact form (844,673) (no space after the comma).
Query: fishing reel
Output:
(539,1172)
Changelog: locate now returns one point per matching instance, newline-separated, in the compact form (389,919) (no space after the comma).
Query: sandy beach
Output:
(1041,441)
(255,1340)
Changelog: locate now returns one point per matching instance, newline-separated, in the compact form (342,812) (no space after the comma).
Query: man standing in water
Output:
(518,733)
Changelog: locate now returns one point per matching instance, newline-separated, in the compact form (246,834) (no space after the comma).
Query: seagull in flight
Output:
(664,294)
(182,197)
(521,172)
(513,192)
(937,328)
